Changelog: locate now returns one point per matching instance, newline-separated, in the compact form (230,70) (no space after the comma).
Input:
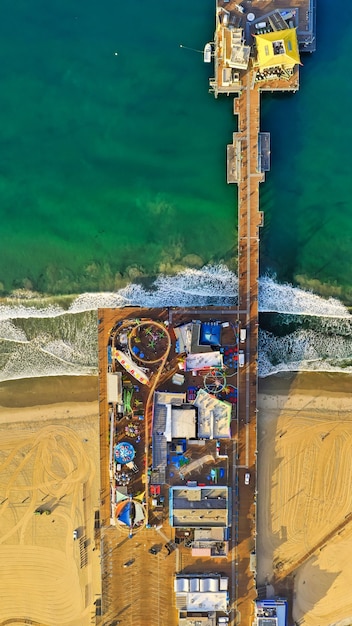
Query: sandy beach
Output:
(49,458)
(304,494)
(49,462)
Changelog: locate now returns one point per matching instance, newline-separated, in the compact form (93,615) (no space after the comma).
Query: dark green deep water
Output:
(109,162)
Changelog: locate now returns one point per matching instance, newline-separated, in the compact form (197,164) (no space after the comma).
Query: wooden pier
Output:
(248,178)
(283,25)
(142,594)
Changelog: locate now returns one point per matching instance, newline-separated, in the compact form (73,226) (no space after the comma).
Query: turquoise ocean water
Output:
(108,161)
(111,161)
(307,198)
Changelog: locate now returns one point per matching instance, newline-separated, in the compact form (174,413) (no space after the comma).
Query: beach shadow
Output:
(268,541)
(288,454)
(311,584)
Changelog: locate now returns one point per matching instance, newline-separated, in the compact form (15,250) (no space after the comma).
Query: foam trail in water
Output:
(210,285)
(306,350)
(284,298)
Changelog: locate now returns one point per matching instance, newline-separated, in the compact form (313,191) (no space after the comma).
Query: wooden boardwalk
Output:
(249,176)
(143,593)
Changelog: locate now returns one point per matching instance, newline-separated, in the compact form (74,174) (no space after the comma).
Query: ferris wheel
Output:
(214,381)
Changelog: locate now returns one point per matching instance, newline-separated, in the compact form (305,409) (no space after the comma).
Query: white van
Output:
(241,358)
(243,335)
(247,478)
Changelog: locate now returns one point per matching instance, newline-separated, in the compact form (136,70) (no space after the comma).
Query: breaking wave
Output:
(284,298)
(38,338)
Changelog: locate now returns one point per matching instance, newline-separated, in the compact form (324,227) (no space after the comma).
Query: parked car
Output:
(247,478)
(128,563)
(153,550)
(75,535)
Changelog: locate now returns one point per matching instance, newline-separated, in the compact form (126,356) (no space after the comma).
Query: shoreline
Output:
(326,382)
(46,390)
(32,392)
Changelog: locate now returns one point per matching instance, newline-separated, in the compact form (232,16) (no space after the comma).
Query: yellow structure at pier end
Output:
(278,48)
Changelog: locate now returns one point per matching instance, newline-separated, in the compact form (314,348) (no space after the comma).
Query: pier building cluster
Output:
(263,38)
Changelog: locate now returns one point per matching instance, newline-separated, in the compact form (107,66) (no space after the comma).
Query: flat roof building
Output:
(236,53)
(271,612)
(197,507)
(201,593)
(114,387)
(161,433)
(180,422)
(214,416)
(203,361)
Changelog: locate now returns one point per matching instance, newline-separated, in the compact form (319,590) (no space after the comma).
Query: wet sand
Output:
(27,392)
(307,383)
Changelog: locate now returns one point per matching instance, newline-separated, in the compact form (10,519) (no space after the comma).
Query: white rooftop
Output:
(201,593)
(183,423)
(203,360)
(214,416)
(207,601)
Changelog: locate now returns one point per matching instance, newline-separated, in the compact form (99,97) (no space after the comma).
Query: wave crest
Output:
(48,340)
(275,297)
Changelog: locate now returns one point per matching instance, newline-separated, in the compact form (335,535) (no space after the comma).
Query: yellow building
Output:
(278,48)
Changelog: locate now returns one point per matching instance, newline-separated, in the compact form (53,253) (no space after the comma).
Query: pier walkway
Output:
(245,166)
(275,33)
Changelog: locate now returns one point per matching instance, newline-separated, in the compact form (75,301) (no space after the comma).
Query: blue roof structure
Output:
(272,612)
(210,334)
(126,514)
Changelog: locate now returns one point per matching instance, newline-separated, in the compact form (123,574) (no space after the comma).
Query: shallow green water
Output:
(110,161)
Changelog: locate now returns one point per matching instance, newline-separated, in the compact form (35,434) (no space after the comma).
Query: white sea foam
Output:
(27,360)
(9,331)
(14,310)
(304,350)
(284,298)
(192,287)
(69,345)
(61,350)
